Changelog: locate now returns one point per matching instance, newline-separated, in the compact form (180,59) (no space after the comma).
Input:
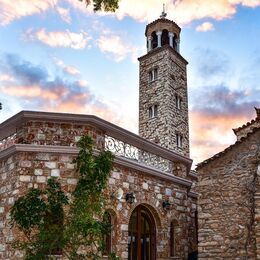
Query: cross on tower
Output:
(163,15)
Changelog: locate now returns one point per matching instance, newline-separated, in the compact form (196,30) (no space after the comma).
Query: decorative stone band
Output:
(16,148)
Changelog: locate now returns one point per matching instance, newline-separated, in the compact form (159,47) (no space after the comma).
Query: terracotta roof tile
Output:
(245,125)
(235,130)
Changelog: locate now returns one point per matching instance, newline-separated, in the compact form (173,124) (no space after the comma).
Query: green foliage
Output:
(78,231)
(105,5)
(39,215)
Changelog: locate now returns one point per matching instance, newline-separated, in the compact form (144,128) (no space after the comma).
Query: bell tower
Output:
(163,97)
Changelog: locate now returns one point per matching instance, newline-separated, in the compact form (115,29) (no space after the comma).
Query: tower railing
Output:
(124,149)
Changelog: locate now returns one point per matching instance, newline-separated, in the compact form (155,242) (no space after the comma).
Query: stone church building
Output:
(229,202)
(151,200)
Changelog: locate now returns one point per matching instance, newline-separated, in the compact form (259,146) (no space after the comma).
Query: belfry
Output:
(163,98)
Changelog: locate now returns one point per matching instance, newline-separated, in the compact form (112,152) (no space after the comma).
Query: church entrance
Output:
(141,235)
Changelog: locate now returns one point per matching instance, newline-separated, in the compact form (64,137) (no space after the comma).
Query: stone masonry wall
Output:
(51,133)
(171,81)
(257,213)
(33,170)
(226,203)
(23,170)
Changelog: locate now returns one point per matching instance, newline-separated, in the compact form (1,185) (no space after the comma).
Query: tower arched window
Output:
(154,40)
(179,140)
(153,111)
(153,75)
(165,37)
(178,101)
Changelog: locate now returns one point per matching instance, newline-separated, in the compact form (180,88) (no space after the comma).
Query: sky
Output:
(58,55)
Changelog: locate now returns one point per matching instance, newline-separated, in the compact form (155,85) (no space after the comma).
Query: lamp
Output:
(130,197)
(118,194)
(166,205)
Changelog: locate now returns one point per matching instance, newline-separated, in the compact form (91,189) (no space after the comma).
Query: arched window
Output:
(108,237)
(173,230)
(154,40)
(165,37)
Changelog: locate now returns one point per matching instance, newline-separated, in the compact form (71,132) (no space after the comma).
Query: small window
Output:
(153,74)
(108,237)
(178,101)
(179,140)
(153,111)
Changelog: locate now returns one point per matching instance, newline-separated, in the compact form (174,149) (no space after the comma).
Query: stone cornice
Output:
(162,20)
(9,126)
(16,148)
(159,49)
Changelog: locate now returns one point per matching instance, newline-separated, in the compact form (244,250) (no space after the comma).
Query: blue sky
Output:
(57,55)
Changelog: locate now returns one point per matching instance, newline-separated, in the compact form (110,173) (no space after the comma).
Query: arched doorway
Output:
(141,235)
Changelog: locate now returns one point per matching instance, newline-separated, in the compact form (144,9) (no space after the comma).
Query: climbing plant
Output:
(72,224)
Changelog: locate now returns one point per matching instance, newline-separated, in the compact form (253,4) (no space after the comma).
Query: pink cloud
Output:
(210,134)
(66,68)
(183,12)
(65,39)
(11,10)
(64,14)
(30,92)
(113,45)
(204,27)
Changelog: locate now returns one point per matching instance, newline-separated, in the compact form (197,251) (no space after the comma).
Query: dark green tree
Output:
(52,223)
(105,5)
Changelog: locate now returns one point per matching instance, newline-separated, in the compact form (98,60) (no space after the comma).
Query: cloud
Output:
(64,14)
(218,109)
(34,88)
(6,78)
(183,12)
(71,70)
(64,39)
(222,96)
(25,71)
(11,10)
(115,45)
(204,27)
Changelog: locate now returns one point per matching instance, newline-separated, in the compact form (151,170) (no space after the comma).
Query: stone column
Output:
(149,41)
(171,35)
(159,38)
(178,44)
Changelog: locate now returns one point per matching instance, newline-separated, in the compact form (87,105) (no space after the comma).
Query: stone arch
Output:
(152,209)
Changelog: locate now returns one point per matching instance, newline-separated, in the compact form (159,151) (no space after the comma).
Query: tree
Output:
(52,223)
(106,5)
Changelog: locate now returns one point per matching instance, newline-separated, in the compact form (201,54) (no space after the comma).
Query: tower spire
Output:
(163,14)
